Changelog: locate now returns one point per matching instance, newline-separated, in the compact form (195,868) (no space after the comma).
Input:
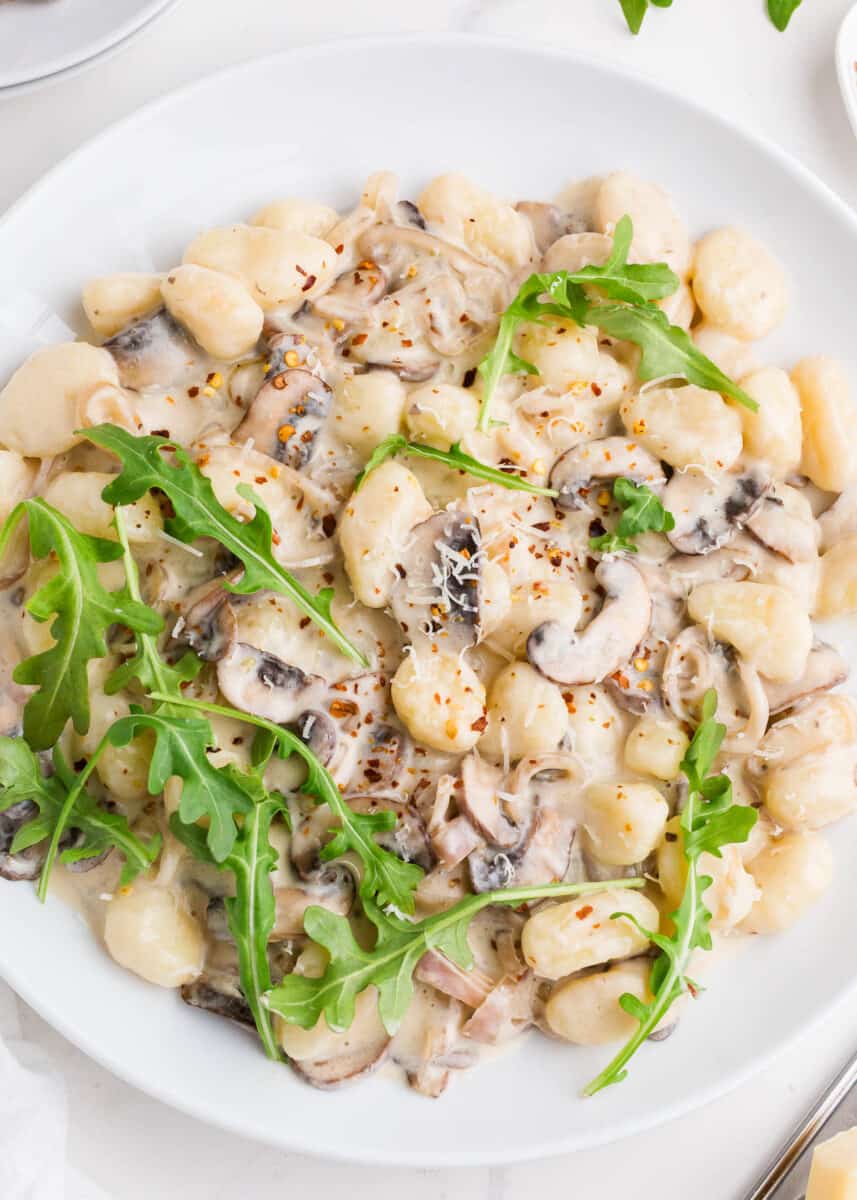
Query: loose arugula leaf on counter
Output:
(454,457)
(251,912)
(385,877)
(390,964)
(21,779)
(782,11)
(667,350)
(708,822)
(83,611)
(181,749)
(198,513)
(642,513)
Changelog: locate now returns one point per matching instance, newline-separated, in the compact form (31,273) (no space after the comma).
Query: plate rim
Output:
(197,1107)
(65,67)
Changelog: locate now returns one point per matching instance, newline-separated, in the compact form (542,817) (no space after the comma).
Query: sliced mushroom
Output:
(26,864)
(156,351)
(542,854)
(478,799)
(285,418)
(427,1043)
(331,889)
(451,329)
(825,668)
(317,730)
(352,293)
(709,512)
(470,987)
(437,593)
(693,665)
(350,1055)
(263,685)
(206,620)
(547,221)
(840,520)
(505,1013)
(583,468)
(610,638)
(408,839)
(203,994)
(636,686)
(395,339)
(784,524)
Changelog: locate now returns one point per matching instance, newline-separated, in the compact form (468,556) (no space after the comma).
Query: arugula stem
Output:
(65,813)
(457,460)
(496,368)
(9,526)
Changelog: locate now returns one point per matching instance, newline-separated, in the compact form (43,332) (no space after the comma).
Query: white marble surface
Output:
(725,53)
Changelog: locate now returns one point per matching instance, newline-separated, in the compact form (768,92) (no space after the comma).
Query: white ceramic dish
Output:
(314,123)
(846,64)
(40,38)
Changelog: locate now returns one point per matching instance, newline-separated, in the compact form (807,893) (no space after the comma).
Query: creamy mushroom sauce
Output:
(528,702)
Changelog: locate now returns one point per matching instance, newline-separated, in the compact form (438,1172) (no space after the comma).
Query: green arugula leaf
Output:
(708,822)
(642,513)
(198,513)
(634,11)
(251,912)
(636,283)
(667,349)
(454,457)
(146,666)
(781,12)
(83,611)
(181,746)
(390,964)
(21,778)
(385,876)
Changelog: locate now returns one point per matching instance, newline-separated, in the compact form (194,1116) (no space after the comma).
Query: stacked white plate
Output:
(42,40)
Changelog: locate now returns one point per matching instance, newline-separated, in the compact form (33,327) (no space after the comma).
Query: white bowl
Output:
(315,122)
(41,38)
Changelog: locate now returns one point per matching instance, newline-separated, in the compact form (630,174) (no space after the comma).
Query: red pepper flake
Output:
(480,725)
(193,392)
(304,621)
(596,390)
(359,339)
(311,280)
(328,524)
(583,913)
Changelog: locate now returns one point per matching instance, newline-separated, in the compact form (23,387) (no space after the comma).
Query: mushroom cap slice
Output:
(262,684)
(207,621)
(582,468)
(284,420)
(352,293)
(26,864)
(480,803)
(542,855)
(784,524)
(156,351)
(437,594)
(610,638)
(203,993)
(708,511)
(825,668)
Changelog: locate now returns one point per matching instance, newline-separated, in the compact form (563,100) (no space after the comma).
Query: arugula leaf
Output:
(634,11)
(83,611)
(390,964)
(385,876)
(781,12)
(198,513)
(251,912)
(643,512)
(454,457)
(667,349)
(21,778)
(147,666)
(181,746)
(708,822)
(636,283)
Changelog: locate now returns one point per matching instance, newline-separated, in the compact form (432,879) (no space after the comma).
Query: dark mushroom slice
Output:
(428,1043)
(709,512)
(825,669)
(317,731)
(287,350)
(636,686)
(609,640)
(549,222)
(206,620)
(156,351)
(437,593)
(542,855)
(352,293)
(364,1046)
(479,801)
(791,535)
(213,997)
(26,864)
(408,840)
(584,469)
(262,684)
(285,418)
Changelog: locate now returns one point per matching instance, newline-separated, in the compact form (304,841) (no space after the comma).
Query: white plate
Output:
(39,38)
(314,123)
